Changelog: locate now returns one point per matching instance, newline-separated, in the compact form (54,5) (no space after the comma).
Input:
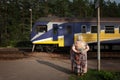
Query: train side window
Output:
(119,29)
(69,29)
(41,28)
(83,29)
(55,29)
(93,29)
(109,29)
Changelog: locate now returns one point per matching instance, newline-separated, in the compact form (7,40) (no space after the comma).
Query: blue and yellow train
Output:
(50,33)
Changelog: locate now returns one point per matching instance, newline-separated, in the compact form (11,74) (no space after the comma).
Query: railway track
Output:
(15,53)
(105,55)
(12,53)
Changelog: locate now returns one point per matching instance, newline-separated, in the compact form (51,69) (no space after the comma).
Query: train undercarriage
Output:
(104,47)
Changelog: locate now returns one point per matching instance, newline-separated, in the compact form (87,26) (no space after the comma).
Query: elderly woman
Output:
(79,56)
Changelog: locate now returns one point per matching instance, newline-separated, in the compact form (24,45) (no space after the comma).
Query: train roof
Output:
(66,19)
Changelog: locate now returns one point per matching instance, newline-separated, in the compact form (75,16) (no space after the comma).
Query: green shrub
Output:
(24,44)
(97,75)
(106,75)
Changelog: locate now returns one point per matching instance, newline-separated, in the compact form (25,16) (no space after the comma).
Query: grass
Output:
(97,75)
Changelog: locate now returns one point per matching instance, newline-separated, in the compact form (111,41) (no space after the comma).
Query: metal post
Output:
(30,19)
(33,48)
(98,37)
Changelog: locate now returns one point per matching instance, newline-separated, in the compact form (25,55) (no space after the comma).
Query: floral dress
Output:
(79,60)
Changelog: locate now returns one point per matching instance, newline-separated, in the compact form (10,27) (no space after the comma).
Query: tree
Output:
(61,8)
(15,15)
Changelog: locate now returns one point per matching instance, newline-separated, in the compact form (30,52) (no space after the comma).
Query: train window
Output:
(69,29)
(55,30)
(93,29)
(119,29)
(83,29)
(41,28)
(109,29)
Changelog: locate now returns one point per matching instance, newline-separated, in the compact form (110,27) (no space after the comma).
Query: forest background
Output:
(15,16)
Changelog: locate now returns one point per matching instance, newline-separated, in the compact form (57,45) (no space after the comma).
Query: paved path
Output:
(46,69)
(108,65)
(34,70)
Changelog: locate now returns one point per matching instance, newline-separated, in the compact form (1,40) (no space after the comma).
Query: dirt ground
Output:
(16,54)
(106,64)
(38,65)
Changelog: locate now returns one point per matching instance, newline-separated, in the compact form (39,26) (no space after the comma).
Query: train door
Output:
(55,32)
(68,35)
(83,29)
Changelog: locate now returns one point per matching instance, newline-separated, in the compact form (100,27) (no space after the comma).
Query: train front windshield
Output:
(41,28)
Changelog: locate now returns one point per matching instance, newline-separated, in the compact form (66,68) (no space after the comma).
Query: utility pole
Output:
(97,5)
(31,27)
(98,38)
(30,19)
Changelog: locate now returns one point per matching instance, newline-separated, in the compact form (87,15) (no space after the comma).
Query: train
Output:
(50,33)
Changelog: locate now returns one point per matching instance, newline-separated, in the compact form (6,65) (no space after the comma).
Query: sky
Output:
(117,1)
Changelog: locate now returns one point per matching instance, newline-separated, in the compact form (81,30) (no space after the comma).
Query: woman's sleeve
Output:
(87,47)
(73,48)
